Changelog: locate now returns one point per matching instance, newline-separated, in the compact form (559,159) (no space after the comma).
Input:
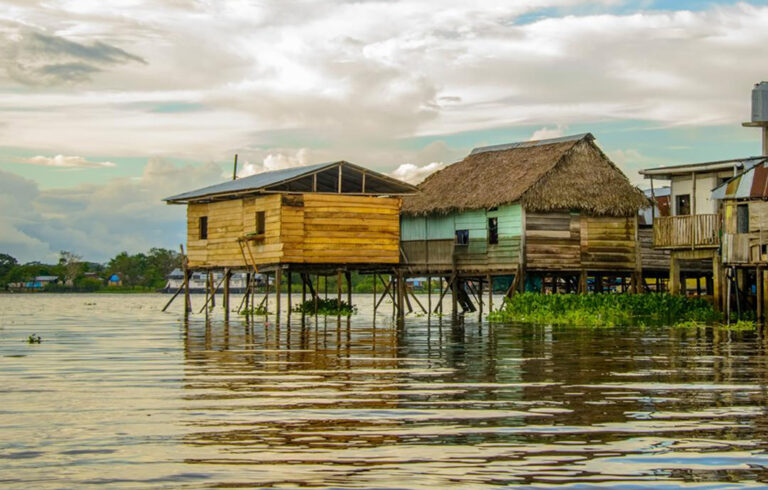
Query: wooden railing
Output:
(689,231)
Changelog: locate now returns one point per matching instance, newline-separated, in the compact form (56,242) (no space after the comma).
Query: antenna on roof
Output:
(234,172)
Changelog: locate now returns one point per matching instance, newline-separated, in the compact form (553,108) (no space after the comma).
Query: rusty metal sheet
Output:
(759,181)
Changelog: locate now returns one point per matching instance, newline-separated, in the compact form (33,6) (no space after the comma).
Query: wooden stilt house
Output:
(332,213)
(554,210)
(318,219)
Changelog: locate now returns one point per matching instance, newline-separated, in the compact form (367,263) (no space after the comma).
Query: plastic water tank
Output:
(760,102)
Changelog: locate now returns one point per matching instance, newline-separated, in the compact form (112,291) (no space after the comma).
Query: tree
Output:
(72,266)
(6,264)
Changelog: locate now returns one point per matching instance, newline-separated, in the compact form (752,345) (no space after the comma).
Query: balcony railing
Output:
(689,231)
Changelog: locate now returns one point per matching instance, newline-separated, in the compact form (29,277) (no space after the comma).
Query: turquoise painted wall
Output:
(443,227)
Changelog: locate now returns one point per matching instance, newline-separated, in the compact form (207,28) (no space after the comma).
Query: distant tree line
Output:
(139,271)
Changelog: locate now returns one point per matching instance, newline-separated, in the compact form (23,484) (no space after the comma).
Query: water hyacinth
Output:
(604,309)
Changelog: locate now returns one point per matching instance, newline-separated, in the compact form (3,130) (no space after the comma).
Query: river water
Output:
(119,393)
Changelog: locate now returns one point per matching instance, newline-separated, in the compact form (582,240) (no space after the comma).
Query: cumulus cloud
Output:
(274,161)
(61,161)
(414,174)
(547,133)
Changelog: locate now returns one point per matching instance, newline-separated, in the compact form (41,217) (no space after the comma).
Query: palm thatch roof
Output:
(569,173)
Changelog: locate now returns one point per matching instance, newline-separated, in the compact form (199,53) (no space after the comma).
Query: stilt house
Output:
(324,216)
(551,208)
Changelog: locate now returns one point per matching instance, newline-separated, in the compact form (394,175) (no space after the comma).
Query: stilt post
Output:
(278,280)
(225,299)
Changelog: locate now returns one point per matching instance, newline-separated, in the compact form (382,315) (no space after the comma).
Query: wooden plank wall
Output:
(552,241)
(228,221)
(651,258)
(608,243)
(351,229)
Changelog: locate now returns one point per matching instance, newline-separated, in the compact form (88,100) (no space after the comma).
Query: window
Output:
(261,222)
(742,218)
(493,231)
(462,237)
(203,227)
(683,203)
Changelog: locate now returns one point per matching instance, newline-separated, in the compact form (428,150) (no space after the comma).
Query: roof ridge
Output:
(532,143)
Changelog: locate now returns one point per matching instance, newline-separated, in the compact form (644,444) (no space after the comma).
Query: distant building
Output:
(114,280)
(39,282)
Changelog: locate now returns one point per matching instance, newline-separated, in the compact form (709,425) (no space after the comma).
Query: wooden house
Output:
(320,218)
(330,214)
(555,209)
(691,230)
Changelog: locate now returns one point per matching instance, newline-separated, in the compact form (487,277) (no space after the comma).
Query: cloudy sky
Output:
(106,107)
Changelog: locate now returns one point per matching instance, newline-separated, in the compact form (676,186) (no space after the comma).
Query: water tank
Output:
(760,102)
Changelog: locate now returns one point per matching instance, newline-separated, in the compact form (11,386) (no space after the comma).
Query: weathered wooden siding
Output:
(608,243)
(228,221)
(429,242)
(351,229)
(651,258)
(553,241)
(308,228)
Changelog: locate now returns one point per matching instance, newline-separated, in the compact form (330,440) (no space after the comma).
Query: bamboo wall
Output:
(303,228)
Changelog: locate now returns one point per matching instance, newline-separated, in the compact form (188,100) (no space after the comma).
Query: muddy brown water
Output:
(119,393)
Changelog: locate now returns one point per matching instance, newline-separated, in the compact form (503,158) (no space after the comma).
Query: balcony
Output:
(687,232)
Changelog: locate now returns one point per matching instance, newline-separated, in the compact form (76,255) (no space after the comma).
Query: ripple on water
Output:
(119,393)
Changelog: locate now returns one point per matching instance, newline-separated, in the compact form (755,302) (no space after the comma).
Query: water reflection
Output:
(120,393)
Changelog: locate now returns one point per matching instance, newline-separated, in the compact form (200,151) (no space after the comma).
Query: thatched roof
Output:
(570,173)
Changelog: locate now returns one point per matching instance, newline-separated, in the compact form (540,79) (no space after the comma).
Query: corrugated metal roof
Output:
(750,184)
(667,171)
(252,183)
(529,144)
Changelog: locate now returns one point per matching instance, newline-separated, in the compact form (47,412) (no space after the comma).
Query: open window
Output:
(493,231)
(261,222)
(462,237)
(203,227)
(683,205)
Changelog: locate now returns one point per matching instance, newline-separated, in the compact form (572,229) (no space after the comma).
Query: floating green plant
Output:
(604,309)
(329,307)
(34,339)
(256,310)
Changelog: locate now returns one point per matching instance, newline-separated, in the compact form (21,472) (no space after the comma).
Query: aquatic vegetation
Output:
(34,339)
(604,309)
(328,307)
(256,310)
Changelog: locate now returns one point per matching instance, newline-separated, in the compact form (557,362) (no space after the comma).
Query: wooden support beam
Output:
(413,295)
(187,274)
(374,293)
(400,297)
(490,292)
(290,286)
(278,280)
(225,299)
(674,275)
(348,277)
(583,282)
(454,296)
(178,291)
(443,292)
(212,297)
(429,295)
(338,272)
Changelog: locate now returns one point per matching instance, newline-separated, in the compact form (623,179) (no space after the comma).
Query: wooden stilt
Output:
(207,294)
(213,294)
(265,301)
(583,282)
(278,280)
(674,275)
(290,286)
(443,291)
(348,277)
(225,299)
(375,280)
(338,288)
(211,298)
(489,278)
(178,291)
(247,291)
(759,291)
(400,297)
(480,299)
(187,274)
(384,294)
(454,296)
(416,299)
(429,295)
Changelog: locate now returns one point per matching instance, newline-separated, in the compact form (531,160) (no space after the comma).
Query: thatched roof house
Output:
(569,173)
